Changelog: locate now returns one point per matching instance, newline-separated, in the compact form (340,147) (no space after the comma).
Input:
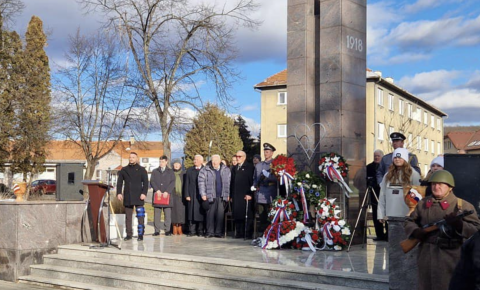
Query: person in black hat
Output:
(398,140)
(265,183)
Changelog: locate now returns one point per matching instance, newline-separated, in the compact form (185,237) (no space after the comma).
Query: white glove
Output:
(265,173)
(253,188)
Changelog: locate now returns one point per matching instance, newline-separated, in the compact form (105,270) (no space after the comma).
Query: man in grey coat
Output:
(214,187)
(163,183)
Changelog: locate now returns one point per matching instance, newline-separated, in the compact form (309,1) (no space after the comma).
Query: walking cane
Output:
(246,220)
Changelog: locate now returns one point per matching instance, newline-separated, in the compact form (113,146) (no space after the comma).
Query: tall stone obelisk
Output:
(326,61)
(327,75)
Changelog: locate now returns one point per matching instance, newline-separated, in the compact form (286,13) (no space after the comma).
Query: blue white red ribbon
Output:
(285,178)
(304,205)
(280,214)
(308,238)
(327,235)
(335,176)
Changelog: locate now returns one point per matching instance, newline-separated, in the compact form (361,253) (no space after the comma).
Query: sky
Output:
(431,48)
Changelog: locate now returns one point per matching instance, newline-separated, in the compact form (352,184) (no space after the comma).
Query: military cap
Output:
(397,136)
(268,146)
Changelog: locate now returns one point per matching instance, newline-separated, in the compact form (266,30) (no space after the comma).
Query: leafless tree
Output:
(8,9)
(94,106)
(178,45)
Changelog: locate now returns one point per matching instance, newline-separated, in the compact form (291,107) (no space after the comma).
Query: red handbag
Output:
(160,200)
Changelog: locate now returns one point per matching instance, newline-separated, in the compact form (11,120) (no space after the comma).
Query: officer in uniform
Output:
(398,140)
(265,183)
(439,251)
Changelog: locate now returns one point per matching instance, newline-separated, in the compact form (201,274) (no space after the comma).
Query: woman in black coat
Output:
(195,213)
(178,210)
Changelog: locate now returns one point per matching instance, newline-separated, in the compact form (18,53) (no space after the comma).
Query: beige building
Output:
(389,109)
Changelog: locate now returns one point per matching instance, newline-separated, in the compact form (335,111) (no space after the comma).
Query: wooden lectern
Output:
(97,191)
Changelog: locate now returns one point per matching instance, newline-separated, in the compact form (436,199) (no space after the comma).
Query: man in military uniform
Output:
(398,140)
(265,183)
(439,251)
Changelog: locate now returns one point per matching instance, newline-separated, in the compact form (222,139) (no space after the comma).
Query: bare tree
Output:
(94,104)
(9,8)
(177,45)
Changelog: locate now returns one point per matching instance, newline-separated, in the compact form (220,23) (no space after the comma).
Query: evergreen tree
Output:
(246,136)
(212,125)
(33,104)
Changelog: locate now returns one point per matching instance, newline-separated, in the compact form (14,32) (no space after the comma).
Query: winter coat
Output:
(195,211)
(241,184)
(391,201)
(436,264)
(135,179)
(178,210)
(267,185)
(163,181)
(207,182)
(467,273)
(387,161)
(372,181)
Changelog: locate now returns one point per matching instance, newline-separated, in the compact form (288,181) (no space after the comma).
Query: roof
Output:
(460,139)
(62,150)
(278,79)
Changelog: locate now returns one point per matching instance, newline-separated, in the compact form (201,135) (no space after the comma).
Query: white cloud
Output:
(252,107)
(468,99)
(422,5)
(427,82)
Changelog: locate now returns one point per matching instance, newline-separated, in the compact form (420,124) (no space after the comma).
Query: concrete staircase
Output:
(77,267)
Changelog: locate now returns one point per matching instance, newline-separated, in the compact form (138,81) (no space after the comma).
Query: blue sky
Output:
(430,47)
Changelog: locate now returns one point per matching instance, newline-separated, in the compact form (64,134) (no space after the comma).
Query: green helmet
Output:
(442,176)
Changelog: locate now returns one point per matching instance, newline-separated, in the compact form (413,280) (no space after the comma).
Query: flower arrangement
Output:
(301,242)
(280,233)
(313,186)
(334,159)
(284,168)
(335,230)
(279,203)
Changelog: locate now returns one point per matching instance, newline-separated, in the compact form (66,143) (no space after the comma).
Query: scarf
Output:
(178,182)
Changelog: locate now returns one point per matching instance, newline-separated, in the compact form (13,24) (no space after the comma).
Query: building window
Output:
(98,174)
(439,124)
(410,140)
(439,148)
(432,121)
(425,117)
(390,130)
(380,97)
(391,106)
(419,143)
(426,169)
(418,115)
(381,130)
(448,144)
(282,98)
(433,147)
(400,107)
(281,131)
(144,160)
(425,141)
(409,110)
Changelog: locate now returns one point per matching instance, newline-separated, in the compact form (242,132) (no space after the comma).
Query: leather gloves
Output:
(420,234)
(453,221)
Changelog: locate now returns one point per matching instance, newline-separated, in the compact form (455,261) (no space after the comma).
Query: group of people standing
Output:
(440,250)
(199,197)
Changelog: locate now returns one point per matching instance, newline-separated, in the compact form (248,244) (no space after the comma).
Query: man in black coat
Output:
(195,213)
(163,184)
(467,273)
(135,178)
(374,190)
(240,191)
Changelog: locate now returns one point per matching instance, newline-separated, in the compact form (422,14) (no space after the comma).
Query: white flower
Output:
(337,248)
(307,175)
(341,223)
(335,159)
(314,186)
(299,183)
(336,228)
(306,186)
(336,213)
(346,231)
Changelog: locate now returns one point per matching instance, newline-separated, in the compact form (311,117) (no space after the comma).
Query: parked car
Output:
(43,186)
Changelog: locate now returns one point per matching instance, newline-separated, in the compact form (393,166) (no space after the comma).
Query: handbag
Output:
(160,200)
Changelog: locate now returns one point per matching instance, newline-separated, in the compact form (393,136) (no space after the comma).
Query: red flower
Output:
(291,206)
(294,214)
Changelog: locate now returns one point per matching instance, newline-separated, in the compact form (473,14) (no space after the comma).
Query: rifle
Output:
(410,243)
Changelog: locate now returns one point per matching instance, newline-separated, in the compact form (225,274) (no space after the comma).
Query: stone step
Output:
(61,284)
(197,276)
(234,267)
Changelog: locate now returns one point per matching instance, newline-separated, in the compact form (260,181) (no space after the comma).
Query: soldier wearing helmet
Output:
(439,251)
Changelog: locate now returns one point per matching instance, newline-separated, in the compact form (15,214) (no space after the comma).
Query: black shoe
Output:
(156,234)
(219,236)
(209,236)
(127,238)
(140,238)
(379,239)
(191,235)
(168,233)
(200,235)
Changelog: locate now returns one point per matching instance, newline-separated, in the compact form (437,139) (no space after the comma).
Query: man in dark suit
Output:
(240,191)
(163,183)
(374,190)
(195,212)
(135,179)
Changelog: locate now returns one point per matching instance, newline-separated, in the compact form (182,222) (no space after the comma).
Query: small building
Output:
(462,142)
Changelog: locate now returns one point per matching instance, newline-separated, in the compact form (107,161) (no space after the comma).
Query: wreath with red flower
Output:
(280,233)
(278,203)
(335,230)
(301,243)
(338,162)
(283,164)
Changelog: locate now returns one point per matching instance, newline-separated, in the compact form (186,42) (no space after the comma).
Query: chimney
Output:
(132,140)
(390,80)
(379,73)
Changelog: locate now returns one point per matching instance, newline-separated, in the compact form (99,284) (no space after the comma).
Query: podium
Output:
(97,197)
